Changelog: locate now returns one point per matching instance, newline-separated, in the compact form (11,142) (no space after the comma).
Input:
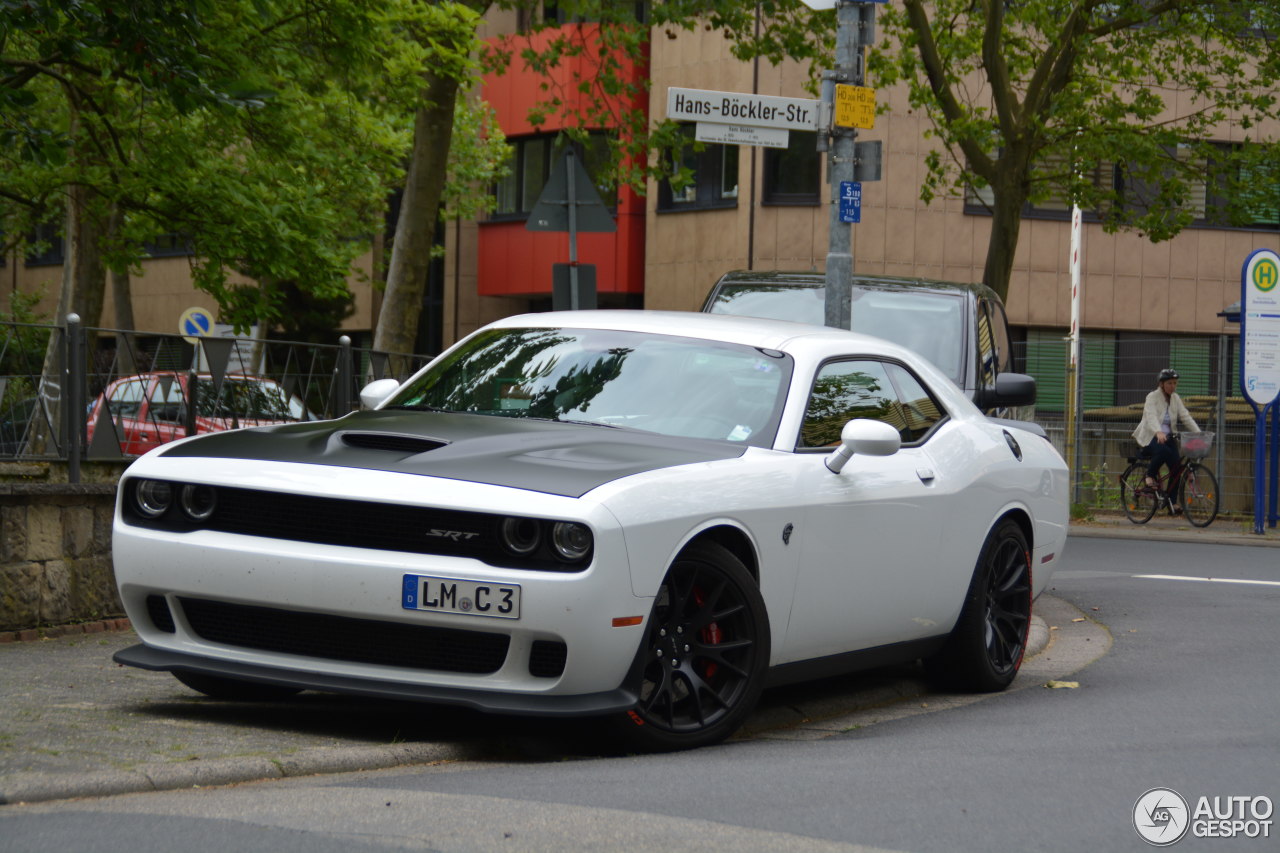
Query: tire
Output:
(1199,495)
(704,656)
(985,649)
(1138,499)
(232,690)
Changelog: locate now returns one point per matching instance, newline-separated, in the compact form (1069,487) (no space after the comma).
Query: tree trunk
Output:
(416,227)
(1009,195)
(122,298)
(82,293)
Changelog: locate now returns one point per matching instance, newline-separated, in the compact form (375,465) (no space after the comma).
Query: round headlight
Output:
(571,541)
(152,497)
(198,502)
(521,535)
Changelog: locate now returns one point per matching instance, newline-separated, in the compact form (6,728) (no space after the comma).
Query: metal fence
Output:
(71,393)
(55,381)
(1117,371)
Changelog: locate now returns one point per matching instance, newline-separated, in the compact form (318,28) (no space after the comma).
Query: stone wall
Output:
(55,554)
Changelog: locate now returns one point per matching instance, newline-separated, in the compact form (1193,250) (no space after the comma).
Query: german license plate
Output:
(453,595)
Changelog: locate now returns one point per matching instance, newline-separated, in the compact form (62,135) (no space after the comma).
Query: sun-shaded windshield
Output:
(930,323)
(657,383)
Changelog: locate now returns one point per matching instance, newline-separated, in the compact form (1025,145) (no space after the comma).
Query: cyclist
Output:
(1162,412)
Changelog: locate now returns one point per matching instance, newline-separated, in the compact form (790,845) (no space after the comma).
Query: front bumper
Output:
(585,705)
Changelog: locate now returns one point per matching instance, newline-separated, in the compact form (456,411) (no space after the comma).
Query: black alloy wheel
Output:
(985,650)
(704,655)
(1139,499)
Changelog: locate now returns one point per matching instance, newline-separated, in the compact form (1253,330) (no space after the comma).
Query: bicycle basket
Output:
(1197,445)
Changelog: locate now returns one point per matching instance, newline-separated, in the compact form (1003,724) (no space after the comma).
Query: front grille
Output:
(546,658)
(363,524)
(318,635)
(158,613)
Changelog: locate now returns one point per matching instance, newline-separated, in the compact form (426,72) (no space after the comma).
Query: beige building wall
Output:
(1129,283)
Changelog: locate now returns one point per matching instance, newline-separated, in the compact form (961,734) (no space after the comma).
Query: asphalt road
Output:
(1184,699)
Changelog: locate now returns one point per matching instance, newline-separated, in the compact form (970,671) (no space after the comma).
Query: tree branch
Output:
(1008,110)
(952,110)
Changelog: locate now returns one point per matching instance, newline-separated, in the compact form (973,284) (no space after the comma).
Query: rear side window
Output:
(867,388)
(126,399)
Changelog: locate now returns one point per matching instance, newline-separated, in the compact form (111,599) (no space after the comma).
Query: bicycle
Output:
(1195,486)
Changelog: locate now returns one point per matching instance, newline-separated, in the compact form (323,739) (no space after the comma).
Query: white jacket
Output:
(1153,415)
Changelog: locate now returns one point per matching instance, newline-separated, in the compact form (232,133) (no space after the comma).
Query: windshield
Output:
(657,383)
(929,323)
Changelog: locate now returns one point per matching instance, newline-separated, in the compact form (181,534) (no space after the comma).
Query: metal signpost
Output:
(569,202)
(737,118)
(850,105)
(1260,369)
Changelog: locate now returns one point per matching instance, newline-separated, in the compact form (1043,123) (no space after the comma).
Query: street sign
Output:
(568,294)
(855,106)
(551,211)
(867,159)
(741,108)
(194,323)
(741,134)
(1260,327)
(850,201)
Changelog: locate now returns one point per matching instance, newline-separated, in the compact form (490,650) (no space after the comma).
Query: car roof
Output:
(727,328)
(809,279)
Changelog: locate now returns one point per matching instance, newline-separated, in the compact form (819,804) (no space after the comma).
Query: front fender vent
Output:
(392,442)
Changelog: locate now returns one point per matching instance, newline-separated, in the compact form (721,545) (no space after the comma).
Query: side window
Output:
(166,403)
(126,400)
(986,348)
(845,390)
(919,410)
(876,390)
(1000,333)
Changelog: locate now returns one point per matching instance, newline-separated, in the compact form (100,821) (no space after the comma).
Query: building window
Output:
(793,175)
(50,250)
(169,246)
(554,13)
(1056,173)
(1209,199)
(530,167)
(714,181)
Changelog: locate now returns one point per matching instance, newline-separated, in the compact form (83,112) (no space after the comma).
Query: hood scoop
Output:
(391,442)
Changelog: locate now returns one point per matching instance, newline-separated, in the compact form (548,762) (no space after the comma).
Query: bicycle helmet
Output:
(1166,374)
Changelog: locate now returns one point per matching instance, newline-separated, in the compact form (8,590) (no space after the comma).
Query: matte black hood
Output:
(541,456)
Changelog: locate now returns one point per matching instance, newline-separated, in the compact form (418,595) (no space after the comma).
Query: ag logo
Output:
(1161,817)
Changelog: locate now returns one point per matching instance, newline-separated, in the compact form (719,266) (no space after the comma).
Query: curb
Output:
(42,787)
(1161,533)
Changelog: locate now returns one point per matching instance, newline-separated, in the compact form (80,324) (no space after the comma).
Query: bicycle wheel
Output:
(1199,495)
(1138,498)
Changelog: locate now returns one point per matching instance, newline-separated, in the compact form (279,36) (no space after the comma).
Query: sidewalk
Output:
(1165,528)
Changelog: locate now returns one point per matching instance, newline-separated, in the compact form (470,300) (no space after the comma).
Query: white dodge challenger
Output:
(642,517)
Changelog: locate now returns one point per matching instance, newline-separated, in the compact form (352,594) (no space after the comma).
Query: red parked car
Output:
(150,409)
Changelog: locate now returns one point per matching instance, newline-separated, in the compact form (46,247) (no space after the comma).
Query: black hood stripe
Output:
(540,456)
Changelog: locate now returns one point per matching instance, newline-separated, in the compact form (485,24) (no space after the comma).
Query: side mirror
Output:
(374,393)
(1011,389)
(870,438)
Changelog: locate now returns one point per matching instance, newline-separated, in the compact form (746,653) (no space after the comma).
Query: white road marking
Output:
(1207,580)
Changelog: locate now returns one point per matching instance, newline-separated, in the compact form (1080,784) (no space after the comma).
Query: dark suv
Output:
(961,328)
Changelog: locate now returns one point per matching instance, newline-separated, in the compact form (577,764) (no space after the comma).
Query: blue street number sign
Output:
(850,201)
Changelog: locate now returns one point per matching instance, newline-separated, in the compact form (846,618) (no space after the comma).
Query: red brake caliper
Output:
(710,635)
